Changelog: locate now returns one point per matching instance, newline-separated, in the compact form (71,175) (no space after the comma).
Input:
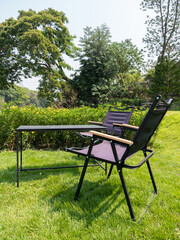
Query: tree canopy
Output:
(165,78)
(94,70)
(19,96)
(163,27)
(162,40)
(35,44)
(100,63)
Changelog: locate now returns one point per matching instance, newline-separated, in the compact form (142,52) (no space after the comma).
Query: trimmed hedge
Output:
(11,117)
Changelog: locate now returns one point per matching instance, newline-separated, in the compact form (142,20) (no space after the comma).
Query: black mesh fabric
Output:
(148,127)
(116,117)
(103,151)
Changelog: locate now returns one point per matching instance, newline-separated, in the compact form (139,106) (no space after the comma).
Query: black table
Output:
(41,128)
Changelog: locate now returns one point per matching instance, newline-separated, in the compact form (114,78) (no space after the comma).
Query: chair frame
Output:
(120,164)
(118,110)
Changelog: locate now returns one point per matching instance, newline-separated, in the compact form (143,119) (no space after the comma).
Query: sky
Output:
(123,17)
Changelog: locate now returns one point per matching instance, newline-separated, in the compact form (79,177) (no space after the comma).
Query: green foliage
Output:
(1,101)
(92,79)
(12,117)
(43,206)
(69,95)
(165,80)
(162,38)
(125,57)
(101,63)
(35,44)
(129,85)
(16,96)
(19,96)
(50,89)
(162,41)
(134,101)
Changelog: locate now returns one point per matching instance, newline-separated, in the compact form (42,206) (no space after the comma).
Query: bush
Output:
(135,101)
(11,117)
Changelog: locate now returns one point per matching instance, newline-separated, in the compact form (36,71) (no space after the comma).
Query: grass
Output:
(43,206)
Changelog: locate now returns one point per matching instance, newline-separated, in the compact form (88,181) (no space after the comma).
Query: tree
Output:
(163,29)
(35,44)
(69,95)
(91,79)
(33,98)
(125,57)
(165,79)
(101,61)
(130,85)
(162,39)
(17,96)
(127,61)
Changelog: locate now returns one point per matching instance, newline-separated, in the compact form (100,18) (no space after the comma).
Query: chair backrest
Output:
(117,115)
(149,124)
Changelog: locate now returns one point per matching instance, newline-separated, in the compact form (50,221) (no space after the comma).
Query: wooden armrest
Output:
(99,123)
(125,125)
(110,137)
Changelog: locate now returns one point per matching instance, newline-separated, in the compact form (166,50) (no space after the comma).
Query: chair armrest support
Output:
(140,163)
(93,122)
(110,137)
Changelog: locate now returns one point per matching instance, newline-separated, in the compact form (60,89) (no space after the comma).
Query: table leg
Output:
(17,146)
(20,151)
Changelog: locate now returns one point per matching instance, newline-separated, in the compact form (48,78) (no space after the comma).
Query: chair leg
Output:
(82,144)
(81,178)
(110,171)
(126,194)
(83,141)
(152,178)
(84,169)
(106,168)
(151,174)
(119,168)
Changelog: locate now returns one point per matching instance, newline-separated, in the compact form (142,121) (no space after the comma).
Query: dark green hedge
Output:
(12,117)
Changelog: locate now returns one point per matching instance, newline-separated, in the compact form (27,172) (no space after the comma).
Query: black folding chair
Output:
(114,115)
(116,151)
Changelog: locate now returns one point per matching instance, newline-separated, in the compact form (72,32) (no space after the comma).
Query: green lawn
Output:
(43,206)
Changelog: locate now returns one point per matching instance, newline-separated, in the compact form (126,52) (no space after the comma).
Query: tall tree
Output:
(163,28)
(162,40)
(130,85)
(35,44)
(91,79)
(165,78)
(17,96)
(101,61)
(20,96)
(125,57)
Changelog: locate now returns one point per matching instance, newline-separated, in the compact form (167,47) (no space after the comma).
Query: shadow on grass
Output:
(9,175)
(96,199)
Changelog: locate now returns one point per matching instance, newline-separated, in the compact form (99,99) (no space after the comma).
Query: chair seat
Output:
(103,151)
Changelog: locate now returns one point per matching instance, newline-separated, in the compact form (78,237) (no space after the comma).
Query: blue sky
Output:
(123,17)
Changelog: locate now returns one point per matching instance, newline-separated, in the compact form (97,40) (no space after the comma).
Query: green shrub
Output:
(11,117)
(135,101)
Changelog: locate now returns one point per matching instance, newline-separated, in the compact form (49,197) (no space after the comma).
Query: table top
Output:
(29,128)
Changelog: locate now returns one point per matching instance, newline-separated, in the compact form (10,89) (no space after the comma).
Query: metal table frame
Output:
(43,128)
